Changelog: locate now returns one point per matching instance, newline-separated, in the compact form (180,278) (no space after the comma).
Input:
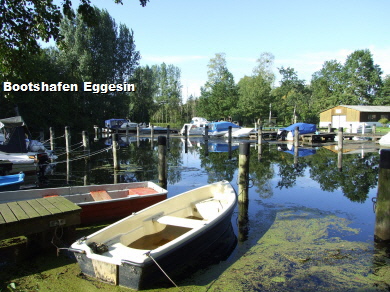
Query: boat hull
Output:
(11,182)
(116,209)
(99,202)
(174,263)
(177,234)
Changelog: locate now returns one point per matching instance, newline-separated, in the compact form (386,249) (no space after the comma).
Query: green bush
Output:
(384,121)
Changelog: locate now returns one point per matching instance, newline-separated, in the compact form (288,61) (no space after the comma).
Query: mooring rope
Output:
(84,155)
(148,254)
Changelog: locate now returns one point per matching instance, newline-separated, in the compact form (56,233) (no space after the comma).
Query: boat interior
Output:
(160,226)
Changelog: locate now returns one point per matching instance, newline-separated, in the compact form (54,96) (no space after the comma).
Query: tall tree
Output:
(254,97)
(363,77)
(264,67)
(220,94)
(292,99)
(141,105)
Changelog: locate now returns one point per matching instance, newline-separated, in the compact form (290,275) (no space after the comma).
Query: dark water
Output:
(307,224)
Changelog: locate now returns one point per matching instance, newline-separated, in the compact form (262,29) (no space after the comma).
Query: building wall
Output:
(353,117)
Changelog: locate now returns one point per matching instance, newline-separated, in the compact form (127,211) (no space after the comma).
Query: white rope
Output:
(83,156)
(148,254)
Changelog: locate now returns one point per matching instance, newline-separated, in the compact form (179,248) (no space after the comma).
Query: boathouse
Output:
(348,116)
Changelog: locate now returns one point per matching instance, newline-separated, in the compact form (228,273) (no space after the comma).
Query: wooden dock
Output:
(318,138)
(37,216)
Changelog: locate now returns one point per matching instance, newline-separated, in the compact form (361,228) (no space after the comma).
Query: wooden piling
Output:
(115,151)
(168,132)
(152,132)
(374,128)
(185,132)
(162,162)
(243,182)
(340,138)
(85,141)
(382,210)
(329,128)
(230,135)
(296,137)
(67,141)
(260,134)
(243,171)
(52,145)
(137,132)
(206,132)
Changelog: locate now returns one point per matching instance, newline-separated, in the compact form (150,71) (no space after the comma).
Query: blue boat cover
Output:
(222,126)
(6,180)
(303,128)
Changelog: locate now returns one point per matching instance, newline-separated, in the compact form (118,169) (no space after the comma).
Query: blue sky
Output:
(301,34)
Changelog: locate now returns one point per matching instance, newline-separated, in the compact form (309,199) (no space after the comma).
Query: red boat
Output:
(98,202)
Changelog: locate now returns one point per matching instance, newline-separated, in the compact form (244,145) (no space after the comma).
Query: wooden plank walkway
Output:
(318,138)
(38,215)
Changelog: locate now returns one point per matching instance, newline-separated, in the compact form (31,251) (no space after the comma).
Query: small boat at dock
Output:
(287,134)
(219,129)
(196,127)
(98,202)
(11,182)
(169,233)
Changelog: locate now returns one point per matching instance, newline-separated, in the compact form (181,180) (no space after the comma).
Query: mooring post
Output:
(185,132)
(206,132)
(127,133)
(137,131)
(230,135)
(243,171)
(52,145)
(168,132)
(340,139)
(243,182)
(115,151)
(67,140)
(162,161)
(296,137)
(85,141)
(260,134)
(350,128)
(382,209)
(152,132)
(96,133)
(374,128)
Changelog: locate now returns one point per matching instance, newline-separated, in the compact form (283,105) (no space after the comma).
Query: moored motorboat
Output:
(219,129)
(99,202)
(287,134)
(196,127)
(385,140)
(169,233)
(11,182)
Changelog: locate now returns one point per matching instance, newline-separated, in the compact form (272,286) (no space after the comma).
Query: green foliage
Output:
(254,98)
(23,23)
(384,121)
(219,96)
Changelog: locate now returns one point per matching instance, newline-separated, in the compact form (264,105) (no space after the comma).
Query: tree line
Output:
(105,52)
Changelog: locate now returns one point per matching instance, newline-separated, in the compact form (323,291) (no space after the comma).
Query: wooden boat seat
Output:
(181,222)
(141,191)
(100,195)
(209,208)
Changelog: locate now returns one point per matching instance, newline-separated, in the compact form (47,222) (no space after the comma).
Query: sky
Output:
(301,34)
